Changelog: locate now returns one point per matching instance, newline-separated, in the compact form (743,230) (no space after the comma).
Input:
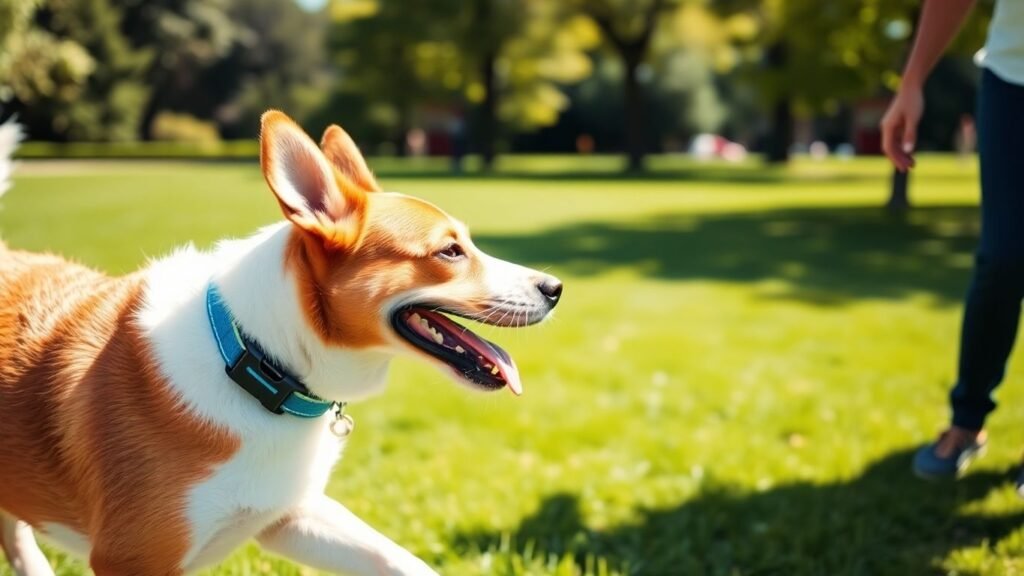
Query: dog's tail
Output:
(10,135)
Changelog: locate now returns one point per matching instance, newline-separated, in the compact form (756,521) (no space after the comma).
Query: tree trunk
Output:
(780,136)
(153,105)
(899,196)
(635,112)
(899,199)
(632,51)
(488,111)
(401,134)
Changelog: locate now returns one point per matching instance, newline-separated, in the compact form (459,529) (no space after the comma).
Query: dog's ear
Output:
(342,152)
(306,184)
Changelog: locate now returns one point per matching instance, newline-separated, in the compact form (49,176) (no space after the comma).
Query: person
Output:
(993,304)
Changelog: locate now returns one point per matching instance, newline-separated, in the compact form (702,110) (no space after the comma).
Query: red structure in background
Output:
(441,125)
(867,136)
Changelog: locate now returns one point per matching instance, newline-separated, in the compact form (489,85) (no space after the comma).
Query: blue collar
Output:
(247,364)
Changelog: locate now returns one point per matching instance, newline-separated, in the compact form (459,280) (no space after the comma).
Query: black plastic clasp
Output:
(263,380)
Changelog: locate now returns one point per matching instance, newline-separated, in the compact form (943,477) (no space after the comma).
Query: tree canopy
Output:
(630,75)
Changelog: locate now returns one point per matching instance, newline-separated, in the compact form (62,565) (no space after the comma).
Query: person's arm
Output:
(940,21)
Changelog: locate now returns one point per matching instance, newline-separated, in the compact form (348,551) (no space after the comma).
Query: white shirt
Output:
(1003,53)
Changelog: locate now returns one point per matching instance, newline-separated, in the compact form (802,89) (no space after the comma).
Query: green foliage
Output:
(404,58)
(187,33)
(548,51)
(743,359)
(172,127)
(103,71)
(39,66)
(378,50)
(189,36)
(33,63)
(827,53)
(666,56)
(75,75)
(14,17)
(691,49)
(278,60)
(111,102)
(626,21)
(229,60)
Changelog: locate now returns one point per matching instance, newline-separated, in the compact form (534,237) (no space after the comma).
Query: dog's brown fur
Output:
(72,361)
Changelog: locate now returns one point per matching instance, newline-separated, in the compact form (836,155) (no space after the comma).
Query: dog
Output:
(152,423)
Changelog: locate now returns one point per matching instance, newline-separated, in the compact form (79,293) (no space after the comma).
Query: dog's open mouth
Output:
(476,360)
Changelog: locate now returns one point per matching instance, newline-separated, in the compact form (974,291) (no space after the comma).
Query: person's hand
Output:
(899,126)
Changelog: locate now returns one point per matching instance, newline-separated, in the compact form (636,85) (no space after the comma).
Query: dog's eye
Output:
(452,252)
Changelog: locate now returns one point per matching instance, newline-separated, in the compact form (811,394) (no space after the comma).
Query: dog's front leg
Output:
(323,534)
(23,554)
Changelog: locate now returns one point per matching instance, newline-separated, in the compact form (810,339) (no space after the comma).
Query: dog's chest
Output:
(232,532)
(267,478)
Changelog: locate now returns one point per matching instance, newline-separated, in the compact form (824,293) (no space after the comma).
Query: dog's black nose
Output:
(551,288)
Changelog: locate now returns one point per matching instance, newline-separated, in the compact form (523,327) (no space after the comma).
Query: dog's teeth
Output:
(415,317)
(460,349)
(423,322)
(494,371)
(438,337)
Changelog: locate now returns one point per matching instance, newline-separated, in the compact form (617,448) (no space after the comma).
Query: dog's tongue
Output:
(507,366)
(459,335)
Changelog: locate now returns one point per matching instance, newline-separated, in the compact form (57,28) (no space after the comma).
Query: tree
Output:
(547,54)
(75,76)
(487,31)
(187,37)
(526,49)
(628,26)
(35,65)
(806,57)
(388,61)
(277,60)
(15,16)
(506,58)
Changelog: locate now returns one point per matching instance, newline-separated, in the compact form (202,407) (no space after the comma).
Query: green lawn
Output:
(742,363)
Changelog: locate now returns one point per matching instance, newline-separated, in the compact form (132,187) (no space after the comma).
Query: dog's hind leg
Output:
(23,554)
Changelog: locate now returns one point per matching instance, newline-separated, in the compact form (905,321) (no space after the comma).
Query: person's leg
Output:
(993,305)
(991,317)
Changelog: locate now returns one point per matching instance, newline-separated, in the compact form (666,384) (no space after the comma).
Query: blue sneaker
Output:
(930,466)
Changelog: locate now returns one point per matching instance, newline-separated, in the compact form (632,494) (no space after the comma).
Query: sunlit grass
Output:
(742,361)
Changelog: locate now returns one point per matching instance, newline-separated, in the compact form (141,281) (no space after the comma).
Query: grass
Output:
(742,363)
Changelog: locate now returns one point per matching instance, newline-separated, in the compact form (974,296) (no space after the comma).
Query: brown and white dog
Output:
(124,440)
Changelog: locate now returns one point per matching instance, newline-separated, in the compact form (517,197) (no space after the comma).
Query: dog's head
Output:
(379,269)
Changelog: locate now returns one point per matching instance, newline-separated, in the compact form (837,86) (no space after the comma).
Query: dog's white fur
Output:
(294,456)
(10,135)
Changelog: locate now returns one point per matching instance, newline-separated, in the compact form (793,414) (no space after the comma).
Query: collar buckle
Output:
(248,366)
(254,372)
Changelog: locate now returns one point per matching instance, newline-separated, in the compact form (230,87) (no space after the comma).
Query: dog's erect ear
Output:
(306,184)
(343,153)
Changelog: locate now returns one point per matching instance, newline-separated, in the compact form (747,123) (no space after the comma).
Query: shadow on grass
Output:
(822,255)
(883,522)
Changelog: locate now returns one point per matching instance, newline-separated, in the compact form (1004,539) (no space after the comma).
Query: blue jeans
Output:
(993,306)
